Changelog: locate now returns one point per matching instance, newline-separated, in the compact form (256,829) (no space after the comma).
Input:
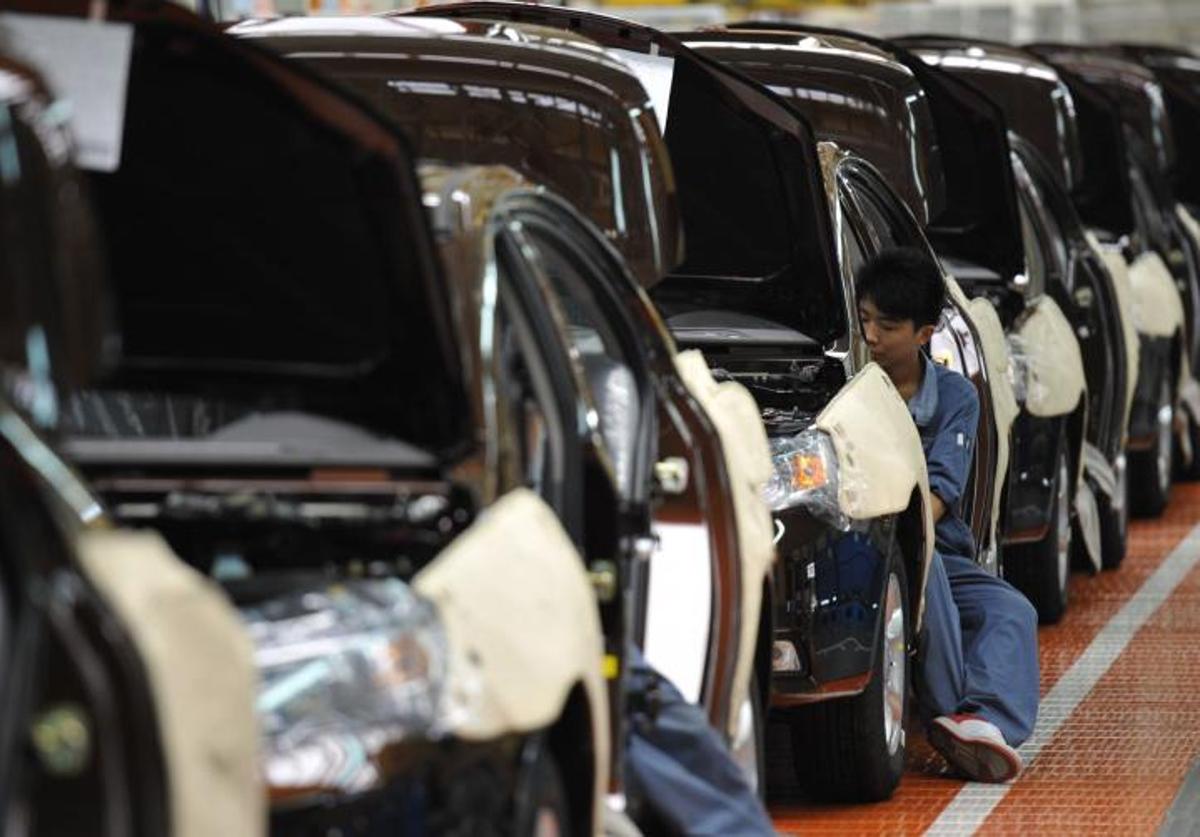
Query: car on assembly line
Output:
(1162,258)
(557,109)
(365,442)
(1177,72)
(762,294)
(1041,116)
(851,89)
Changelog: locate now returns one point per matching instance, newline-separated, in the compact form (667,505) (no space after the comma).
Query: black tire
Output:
(1041,569)
(541,808)
(750,754)
(841,749)
(1150,470)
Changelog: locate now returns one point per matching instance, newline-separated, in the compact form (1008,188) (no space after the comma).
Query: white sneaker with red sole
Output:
(975,748)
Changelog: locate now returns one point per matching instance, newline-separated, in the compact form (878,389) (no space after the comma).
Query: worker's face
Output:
(894,344)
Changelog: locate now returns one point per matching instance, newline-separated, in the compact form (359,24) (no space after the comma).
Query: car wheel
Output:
(1042,569)
(1150,470)
(541,798)
(852,749)
(747,745)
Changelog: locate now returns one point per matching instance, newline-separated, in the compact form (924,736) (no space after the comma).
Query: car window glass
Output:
(607,366)
(526,393)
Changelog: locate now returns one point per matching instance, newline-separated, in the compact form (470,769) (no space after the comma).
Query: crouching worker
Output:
(976,671)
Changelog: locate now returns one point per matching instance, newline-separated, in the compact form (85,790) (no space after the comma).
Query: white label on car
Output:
(86,64)
(679,606)
(655,72)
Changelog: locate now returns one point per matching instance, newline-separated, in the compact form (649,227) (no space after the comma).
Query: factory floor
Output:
(1118,735)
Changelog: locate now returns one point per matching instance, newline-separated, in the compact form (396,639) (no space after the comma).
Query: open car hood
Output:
(757,236)
(978,220)
(266,238)
(1036,103)
(1132,87)
(1178,72)
(850,94)
(53,321)
(548,104)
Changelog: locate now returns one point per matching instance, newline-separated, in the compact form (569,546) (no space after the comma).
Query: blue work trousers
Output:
(680,766)
(979,651)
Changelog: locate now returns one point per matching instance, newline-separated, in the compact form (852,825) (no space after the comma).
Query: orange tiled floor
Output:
(1111,767)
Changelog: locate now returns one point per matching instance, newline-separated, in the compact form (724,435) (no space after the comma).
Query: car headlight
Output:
(345,670)
(805,475)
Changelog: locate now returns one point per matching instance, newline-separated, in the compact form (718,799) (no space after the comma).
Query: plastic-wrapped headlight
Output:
(345,671)
(805,475)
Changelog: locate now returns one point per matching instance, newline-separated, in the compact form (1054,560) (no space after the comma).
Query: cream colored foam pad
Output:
(1004,402)
(201,669)
(1119,270)
(880,458)
(522,626)
(1157,307)
(734,413)
(1056,381)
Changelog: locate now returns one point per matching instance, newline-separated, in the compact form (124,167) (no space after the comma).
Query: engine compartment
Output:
(790,391)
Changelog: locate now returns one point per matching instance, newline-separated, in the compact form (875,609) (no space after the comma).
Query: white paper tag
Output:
(655,72)
(86,64)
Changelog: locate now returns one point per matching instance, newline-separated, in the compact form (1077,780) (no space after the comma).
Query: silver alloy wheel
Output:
(1162,451)
(745,743)
(1063,525)
(894,653)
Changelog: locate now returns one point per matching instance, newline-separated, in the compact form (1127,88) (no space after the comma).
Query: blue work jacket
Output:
(946,412)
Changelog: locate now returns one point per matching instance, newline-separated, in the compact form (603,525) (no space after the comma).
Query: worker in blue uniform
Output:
(976,670)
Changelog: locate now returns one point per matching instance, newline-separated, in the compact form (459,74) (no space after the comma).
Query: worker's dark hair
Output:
(904,284)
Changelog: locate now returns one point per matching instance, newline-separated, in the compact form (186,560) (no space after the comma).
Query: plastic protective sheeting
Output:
(806,476)
(1157,307)
(199,663)
(1004,402)
(346,670)
(1118,269)
(522,628)
(1046,367)
(880,459)
(734,413)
